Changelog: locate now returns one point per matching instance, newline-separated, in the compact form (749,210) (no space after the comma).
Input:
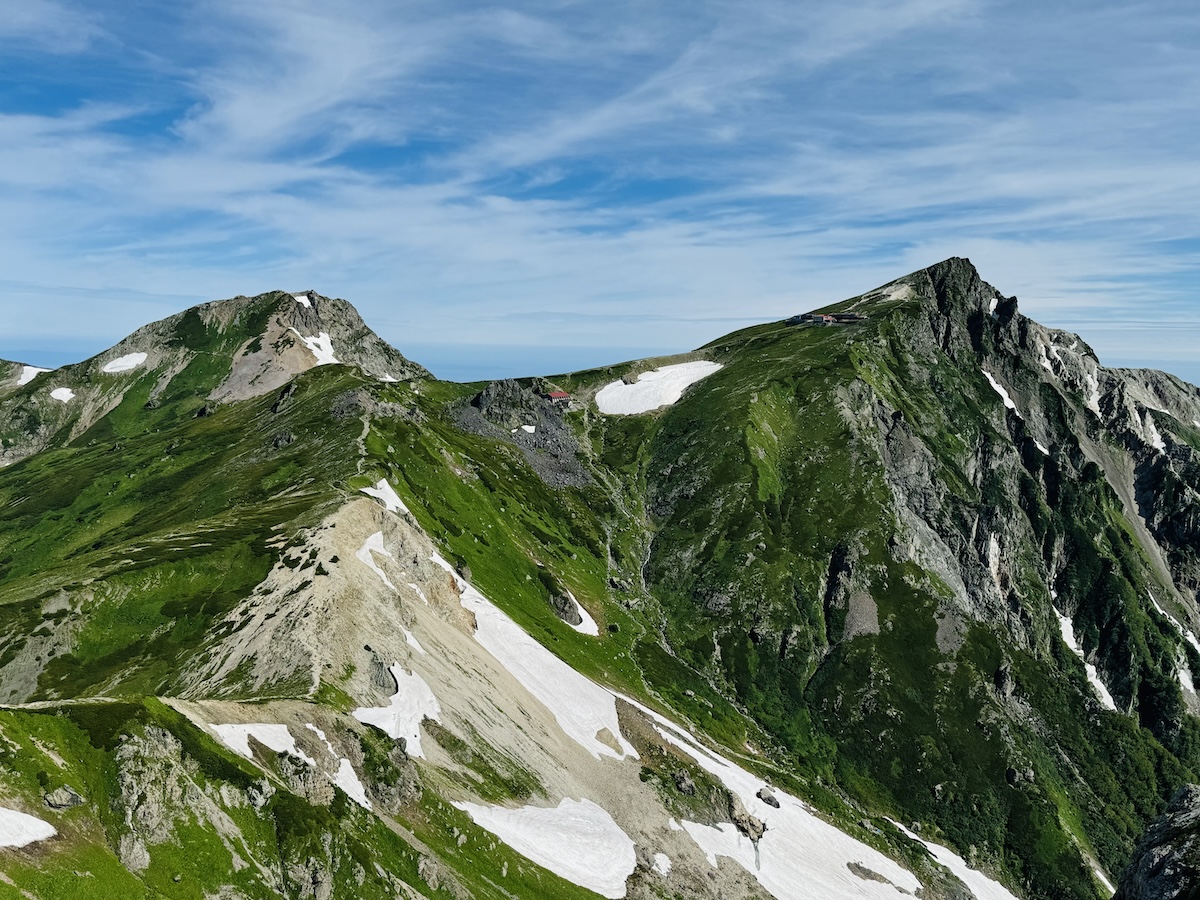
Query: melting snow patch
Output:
(374,544)
(1104,881)
(412,703)
(992,304)
(385,492)
(981,886)
(1185,678)
(999,388)
(1068,635)
(17,829)
(389,379)
(529,429)
(662,387)
(347,779)
(124,363)
(1045,450)
(277,737)
(28,373)
(588,624)
(662,864)
(586,712)
(63,394)
(303,300)
(800,854)
(321,347)
(413,642)
(319,733)
(1152,436)
(577,840)
(420,593)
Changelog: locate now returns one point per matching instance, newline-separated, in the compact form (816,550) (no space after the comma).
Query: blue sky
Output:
(544,186)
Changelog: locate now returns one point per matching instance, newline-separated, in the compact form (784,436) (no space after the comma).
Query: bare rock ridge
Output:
(222,351)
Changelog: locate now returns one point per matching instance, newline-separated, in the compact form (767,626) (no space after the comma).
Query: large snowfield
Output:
(17,829)
(662,387)
(577,840)
(583,709)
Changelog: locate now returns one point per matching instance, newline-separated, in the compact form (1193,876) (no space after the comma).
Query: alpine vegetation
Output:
(893,598)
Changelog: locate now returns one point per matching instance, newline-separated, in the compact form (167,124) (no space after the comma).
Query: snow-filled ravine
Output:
(125,363)
(374,544)
(662,387)
(983,887)
(586,712)
(800,855)
(321,347)
(587,624)
(999,389)
(412,703)
(576,840)
(1093,677)
(18,829)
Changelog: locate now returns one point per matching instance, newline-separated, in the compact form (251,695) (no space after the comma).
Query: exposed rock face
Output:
(1166,865)
(509,411)
(64,797)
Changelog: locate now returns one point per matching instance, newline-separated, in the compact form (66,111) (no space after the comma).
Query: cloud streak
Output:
(546,174)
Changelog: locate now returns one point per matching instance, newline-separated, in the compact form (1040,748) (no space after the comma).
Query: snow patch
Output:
(1185,678)
(412,703)
(1045,450)
(1068,635)
(588,624)
(18,829)
(320,346)
(662,387)
(673,825)
(799,850)
(999,389)
(277,737)
(347,779)
(1103,880)
(389,379)
(420,593)
(992,304)
(584,710)
(28,373)
(981,886)
(529,429)
(413,642)
(385,492)
(63,394)
(303,300)
(662,864)
(374,544)
(321,734)
(1153,438)
(124,363)
(577,840)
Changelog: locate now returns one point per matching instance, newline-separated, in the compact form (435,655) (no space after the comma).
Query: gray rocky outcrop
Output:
(1166,864)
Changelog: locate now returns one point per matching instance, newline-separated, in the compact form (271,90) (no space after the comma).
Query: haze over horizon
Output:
(544,187)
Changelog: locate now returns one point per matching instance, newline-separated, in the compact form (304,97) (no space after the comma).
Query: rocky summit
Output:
(894,598)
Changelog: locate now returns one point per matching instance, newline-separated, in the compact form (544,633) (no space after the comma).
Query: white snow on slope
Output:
(999,388)
(386,493)
(981,886)
(1045,450)
(529,429)
(1153,438)
(412,641)
(321,347)
(17,829)
(800,855)
(63,394)
(420,593)
(410,705)
(374,544)
(303,300)
(1104,880)
(321,734)
(347,779)
(588,624)
(1068,635)
(662,387)
(662,864)
(577,840)
(277,737)
(124,363)
(583,709)
(28,373)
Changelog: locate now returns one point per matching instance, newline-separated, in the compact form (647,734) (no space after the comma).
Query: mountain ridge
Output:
(885,566)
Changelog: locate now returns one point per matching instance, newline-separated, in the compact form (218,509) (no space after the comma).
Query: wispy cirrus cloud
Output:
(546,174)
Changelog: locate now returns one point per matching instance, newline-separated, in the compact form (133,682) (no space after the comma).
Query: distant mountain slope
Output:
(302,630)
